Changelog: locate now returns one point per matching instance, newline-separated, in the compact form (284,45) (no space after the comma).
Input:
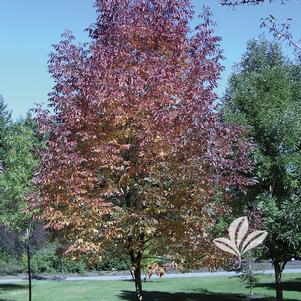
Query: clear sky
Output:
(29,28)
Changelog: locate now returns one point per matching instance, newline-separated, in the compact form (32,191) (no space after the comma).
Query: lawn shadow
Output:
(294,285)
(10,287)
(186,296)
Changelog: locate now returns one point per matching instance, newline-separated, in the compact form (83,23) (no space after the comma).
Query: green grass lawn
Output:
(193,289)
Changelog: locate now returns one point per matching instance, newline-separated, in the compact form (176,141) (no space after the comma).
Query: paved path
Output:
(127,277)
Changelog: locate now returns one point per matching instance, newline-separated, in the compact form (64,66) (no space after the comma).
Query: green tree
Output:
(5,121)
(248,276)
(19,163)
(264,95)
(5,114)
(15,181)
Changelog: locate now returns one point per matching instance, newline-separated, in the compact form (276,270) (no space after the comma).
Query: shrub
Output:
(109,263)
(41,261)
(67,265)
(47,260)
(8,265)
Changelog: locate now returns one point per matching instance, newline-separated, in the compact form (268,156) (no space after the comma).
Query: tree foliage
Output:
(5,121)
(19,163)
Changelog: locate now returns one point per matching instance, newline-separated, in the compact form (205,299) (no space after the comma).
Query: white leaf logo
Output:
(238,244)
(226,245)
(253,240)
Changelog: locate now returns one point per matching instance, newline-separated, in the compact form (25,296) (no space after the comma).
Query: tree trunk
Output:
(251,274)
(278,267)
(138,282)
(29,271)
(136,264)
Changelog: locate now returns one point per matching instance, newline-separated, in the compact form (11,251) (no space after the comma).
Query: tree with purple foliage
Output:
(137,155)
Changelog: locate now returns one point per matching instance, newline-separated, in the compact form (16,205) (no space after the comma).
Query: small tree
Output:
(26,239)
(137,155)
(247,275)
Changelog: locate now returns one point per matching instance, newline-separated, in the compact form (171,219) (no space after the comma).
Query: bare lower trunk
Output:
(29,272)
(278,267)
(136,274)
(136,258)
(252,291)
(138,283)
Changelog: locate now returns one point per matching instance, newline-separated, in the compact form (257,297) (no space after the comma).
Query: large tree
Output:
(137,157)
(264,95)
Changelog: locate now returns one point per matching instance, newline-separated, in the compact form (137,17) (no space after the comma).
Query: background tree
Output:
(19,164)
(136,153)
(5,120)
(264,95)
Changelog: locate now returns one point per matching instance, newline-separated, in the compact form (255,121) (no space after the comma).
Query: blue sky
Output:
(29,28)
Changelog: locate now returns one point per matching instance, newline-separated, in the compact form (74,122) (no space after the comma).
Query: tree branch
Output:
(280,31)
(247,2)
(242,2)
